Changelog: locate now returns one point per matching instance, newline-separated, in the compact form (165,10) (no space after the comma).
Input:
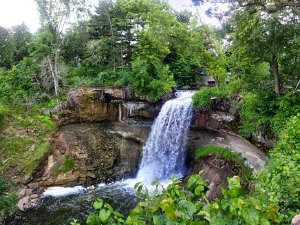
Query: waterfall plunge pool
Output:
(164,156)
(61,205)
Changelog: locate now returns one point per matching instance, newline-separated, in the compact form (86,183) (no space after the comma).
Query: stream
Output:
(164,155)
(60,206)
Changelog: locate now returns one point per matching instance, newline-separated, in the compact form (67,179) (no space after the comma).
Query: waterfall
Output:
(164,153)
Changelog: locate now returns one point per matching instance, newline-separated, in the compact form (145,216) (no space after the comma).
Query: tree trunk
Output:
(274,67)
(54,71)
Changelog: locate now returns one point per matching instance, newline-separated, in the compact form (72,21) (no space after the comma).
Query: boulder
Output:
(296,220)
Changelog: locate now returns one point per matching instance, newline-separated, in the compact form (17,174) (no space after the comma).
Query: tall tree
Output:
(6,48)
(267,32)
(21,37)
(55,15)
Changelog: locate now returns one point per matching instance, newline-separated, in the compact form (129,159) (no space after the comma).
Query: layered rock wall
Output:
(102,104)
(103,130)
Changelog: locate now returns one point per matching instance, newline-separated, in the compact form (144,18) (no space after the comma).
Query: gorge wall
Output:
(103,131)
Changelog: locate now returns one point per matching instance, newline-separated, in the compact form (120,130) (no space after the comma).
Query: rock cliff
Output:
(103,131)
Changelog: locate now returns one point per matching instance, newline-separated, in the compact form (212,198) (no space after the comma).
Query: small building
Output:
(208,81)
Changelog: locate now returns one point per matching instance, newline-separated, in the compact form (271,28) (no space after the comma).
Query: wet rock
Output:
(22,192)
(296,220)
(216,170)
(28,191)
(23,203)
(102,153)
(33,186)
(34,196)
(101,104)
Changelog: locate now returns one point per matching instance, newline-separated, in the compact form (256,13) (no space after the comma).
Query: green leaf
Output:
(250,216)
(199,189)
(137,185)
(189,207)
(98,204)
(104,215)
(264,222)
(159,220)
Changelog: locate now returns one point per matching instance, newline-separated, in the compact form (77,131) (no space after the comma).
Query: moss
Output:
(68,165)
(245,171)
(24,141)
(37,153)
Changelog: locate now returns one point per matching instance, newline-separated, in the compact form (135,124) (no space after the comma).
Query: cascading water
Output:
(164,151)
(163,156)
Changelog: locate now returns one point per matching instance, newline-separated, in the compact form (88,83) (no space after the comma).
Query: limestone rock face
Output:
(101,104)
(101,153)
(102,130)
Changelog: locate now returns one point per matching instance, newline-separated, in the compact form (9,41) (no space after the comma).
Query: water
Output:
(163,156)
(61,205)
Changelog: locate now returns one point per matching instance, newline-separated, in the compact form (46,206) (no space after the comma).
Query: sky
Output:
(14,12)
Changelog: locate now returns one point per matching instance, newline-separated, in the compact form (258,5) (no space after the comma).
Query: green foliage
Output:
(177,204)
(204,97)
(25,141)
(278,182)
(257,111)
(239,161)
(236,208)
(288,106)
(151,78)
(68,165)
(3,112)
(268,112)
(7,200)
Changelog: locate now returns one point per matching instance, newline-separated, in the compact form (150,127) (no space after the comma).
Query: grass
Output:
(24,140)
(236,158)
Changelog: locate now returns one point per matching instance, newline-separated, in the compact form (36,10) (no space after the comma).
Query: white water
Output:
(164,153)
(63,191)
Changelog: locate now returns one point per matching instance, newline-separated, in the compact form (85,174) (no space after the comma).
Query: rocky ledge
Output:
(101,132)
(102,104)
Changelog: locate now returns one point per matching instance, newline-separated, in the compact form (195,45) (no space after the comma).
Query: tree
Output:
(74,44)
(55,15)
(267,33)
(6,48)
(21,37)
(151,75)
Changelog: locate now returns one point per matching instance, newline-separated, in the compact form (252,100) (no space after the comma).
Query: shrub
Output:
(278,182)
(257,111)
(177,204)
(203,97)
(7,201)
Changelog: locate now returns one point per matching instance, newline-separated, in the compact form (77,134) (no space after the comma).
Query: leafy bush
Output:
(288,106)
(203,97)
(7,201)
(177,204)
(268,112)
(278,182)
(257,112)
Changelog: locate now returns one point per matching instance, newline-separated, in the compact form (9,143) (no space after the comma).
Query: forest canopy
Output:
(153,49)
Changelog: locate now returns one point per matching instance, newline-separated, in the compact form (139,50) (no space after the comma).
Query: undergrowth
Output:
(24,139)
